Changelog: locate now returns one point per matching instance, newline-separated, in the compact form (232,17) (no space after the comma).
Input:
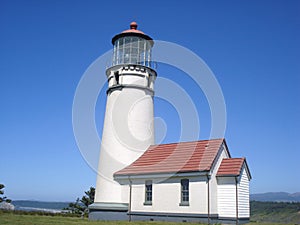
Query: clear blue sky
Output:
(253,48)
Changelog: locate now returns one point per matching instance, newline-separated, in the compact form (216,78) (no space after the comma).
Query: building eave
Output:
(247,169)
(161,175)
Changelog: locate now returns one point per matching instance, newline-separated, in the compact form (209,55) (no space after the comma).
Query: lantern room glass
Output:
(132,50)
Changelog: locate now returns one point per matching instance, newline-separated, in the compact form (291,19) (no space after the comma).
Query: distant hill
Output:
(275,212)
(276,197)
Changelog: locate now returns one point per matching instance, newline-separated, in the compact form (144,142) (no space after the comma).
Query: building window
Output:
(185,195)
(148,192)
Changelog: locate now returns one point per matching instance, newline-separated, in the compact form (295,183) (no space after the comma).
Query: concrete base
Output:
(108,211)
(185,217)
(100,211)
(173,217)
(233,220)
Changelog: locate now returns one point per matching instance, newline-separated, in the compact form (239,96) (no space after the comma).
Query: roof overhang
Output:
(161,175)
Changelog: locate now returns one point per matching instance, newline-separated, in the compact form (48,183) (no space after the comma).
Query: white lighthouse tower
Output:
(128,125)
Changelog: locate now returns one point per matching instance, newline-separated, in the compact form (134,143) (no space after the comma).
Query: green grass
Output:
(25,219)
(7,218)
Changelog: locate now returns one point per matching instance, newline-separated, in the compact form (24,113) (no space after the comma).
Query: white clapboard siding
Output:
(213,182)
(226,197)
(243,195)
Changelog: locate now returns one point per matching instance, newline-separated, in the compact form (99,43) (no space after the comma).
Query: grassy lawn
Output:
(265,213)
(17,219)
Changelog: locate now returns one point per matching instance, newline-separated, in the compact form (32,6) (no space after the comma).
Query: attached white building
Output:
(190,181)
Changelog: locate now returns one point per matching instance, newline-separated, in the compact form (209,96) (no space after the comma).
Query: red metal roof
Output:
(231,167)
(175,157)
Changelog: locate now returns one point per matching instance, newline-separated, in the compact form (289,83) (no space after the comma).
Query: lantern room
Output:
(132,47)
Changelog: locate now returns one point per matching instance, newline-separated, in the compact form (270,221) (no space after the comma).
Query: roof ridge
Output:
(214,139)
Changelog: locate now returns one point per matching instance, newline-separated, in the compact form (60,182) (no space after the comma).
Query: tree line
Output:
(80,206)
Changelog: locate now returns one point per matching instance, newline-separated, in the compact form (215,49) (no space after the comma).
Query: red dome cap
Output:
(133,25)
(133,31)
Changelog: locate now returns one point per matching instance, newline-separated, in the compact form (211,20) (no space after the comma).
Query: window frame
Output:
(148,192)
(185,192)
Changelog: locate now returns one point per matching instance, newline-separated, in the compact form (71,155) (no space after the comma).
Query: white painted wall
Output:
(167,196)
(127,132)
(213,180)
(243,195)
(226,197)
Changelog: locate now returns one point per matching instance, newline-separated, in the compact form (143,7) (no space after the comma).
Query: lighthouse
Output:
(128,128)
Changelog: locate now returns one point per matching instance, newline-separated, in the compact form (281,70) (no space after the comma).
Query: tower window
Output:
(148,192)
(117,77)
(185,194)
